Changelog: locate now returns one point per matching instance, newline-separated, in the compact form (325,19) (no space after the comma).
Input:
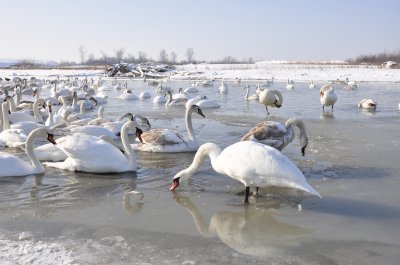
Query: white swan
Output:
(166,140)
(368,104)
(350,84)
(18,116)
(312,85)
(253,164)
(160,97)
(127,94)
(251,97)
(144,94)
(207,83)
(14,166)
(174,102)
(327,96)
(91,154)
(51,152)
(206,103)
(270,98)
(223,88)
(289,84)
(278,135)
(9,137)
(193,101)
(191,89)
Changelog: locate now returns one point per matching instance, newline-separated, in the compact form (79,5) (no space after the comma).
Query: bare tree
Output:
(91,59)
(104,56)
(190,55)
(142,57)
(119,54)
(163,56)
(173,57)
(82,53)
(131,58)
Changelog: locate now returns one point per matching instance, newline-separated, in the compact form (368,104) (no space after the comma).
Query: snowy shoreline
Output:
(258,71)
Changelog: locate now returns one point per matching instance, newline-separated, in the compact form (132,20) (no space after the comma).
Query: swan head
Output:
(132,125)
(277,104)
(197,109)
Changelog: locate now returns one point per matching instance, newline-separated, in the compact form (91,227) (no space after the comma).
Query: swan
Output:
(252,97)
(368,104)
(350,84)
(9,137)
(180,94)
(193,101)
(191,89)
(144,95)
(237,81)
(18,116)
(327,96)
(312,85)
(88,153)
(223,88)
(253,164)
(271,98)
(159,98)
(278,135)
(174,102)
(127,94)
(93,130)
(51,152)
(289,84)
(170,141)
(267,83)
(207,83)
(14,166)
(116,126)
(206,103)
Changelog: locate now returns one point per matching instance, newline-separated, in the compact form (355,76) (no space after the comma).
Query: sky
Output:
(312,30)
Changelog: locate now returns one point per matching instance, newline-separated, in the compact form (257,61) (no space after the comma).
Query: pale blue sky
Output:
(268,30)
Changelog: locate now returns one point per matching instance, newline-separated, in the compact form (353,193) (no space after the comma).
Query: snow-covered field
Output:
(257,71)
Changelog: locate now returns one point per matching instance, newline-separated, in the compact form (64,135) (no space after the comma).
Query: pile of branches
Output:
(139,70)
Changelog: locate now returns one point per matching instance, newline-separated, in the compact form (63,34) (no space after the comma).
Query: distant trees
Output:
(190,55)
(173,56)
(119,54)
(163,56)
(377,59)
(142,57)
(82,53)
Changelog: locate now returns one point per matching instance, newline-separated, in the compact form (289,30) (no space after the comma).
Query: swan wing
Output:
(163,137)
(14,166)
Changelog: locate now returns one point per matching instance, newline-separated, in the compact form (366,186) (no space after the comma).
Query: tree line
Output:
(376,59)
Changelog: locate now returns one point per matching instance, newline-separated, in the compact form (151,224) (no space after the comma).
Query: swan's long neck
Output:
(1,119)
(129,153)
(82,108)
(189,126)
(169,98)
(209,149)
(6,119)
(31,154)
(36,112)
(300,124)
(279,95)
(18,92)
(12,106)
(100,113)
(51,117)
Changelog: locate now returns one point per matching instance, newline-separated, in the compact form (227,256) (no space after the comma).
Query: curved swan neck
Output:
(12,106)
(300,124)
(82,108)
(189,126)
(6,119)
(279,95)
(36,112)
(100,113)
(247,93)
(31,154)
(18,92)
(169,94)
(209,149)
(129,153)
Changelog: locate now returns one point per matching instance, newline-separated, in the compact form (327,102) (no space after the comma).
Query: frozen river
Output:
(132,218)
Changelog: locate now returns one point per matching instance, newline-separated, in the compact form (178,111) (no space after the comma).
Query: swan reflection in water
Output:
(325,115)
(254,231)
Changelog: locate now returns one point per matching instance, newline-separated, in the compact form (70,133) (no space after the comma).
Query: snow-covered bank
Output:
(257,71)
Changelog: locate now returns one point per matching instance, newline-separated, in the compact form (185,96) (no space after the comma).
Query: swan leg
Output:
(255,193)
(246,196)
(267,110)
